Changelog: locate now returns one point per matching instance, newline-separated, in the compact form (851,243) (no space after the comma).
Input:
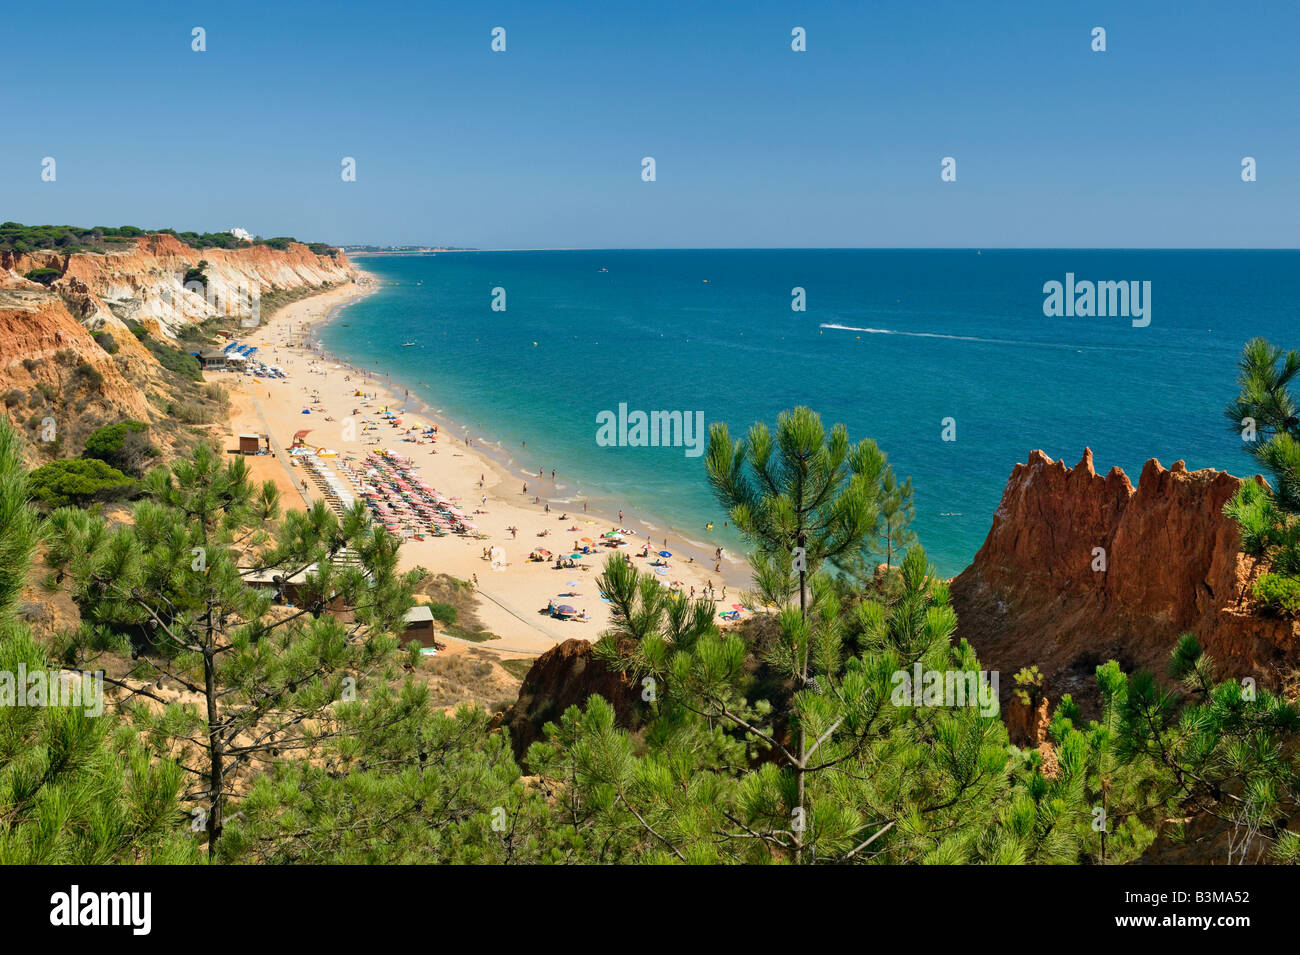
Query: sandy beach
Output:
(511,589)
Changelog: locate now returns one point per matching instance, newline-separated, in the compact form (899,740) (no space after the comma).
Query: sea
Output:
(948,359)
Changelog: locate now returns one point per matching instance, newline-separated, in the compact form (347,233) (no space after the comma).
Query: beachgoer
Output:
(525,487)
(620,516)
(552,474)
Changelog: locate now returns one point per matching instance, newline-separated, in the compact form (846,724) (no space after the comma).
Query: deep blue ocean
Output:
(925,335)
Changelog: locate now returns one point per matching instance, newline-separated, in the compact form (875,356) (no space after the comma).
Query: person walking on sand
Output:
(525,487)
(620,517)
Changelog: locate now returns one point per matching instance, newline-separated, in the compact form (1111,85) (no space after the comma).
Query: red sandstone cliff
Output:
(1031,595)
(144,282)
(51,365)
(566,675)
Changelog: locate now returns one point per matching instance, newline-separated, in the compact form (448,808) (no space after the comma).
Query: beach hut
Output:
(211,360)
(418,625)
(252,443)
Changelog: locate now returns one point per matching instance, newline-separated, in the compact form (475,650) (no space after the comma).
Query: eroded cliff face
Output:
(145,283)
(1172,565)
(566,675)
(52,366)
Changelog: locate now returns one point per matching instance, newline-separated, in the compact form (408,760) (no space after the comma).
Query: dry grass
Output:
(471,676)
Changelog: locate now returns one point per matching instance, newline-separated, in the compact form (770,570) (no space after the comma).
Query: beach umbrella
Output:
(661,571)
(543,551)
(575,557)
(664,553)
(564,608)
(572,583)
(737,607)
(299,435)
(586,540)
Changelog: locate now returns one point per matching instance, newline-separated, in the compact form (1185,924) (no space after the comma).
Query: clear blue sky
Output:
(755,145)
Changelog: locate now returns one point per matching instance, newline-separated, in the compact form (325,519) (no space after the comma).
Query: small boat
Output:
(408,344)
(604,270)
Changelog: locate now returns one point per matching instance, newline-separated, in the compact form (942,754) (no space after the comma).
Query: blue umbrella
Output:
(564,608)
(664,553)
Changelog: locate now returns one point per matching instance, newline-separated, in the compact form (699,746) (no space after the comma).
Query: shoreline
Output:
(734,567)
(453,463)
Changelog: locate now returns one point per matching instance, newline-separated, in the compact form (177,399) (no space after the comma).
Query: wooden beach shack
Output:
(253,443)
(211,360)
(419,626)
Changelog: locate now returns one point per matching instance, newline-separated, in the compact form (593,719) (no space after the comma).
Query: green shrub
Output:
(91,374)
(173,359)
(76,481)
(1278,594)
(445,613)
(197,274)
(44,276)
(124,446)
(106,342)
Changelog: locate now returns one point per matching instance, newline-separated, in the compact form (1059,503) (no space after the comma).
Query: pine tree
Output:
(401,783)
(1265,415)
(736,728)
(169,588)
(1223,749)
(893,530)
(75,785)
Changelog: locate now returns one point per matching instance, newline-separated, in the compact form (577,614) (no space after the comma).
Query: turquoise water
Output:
(933,335)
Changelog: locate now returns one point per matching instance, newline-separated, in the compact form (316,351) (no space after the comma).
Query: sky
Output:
(755,145)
